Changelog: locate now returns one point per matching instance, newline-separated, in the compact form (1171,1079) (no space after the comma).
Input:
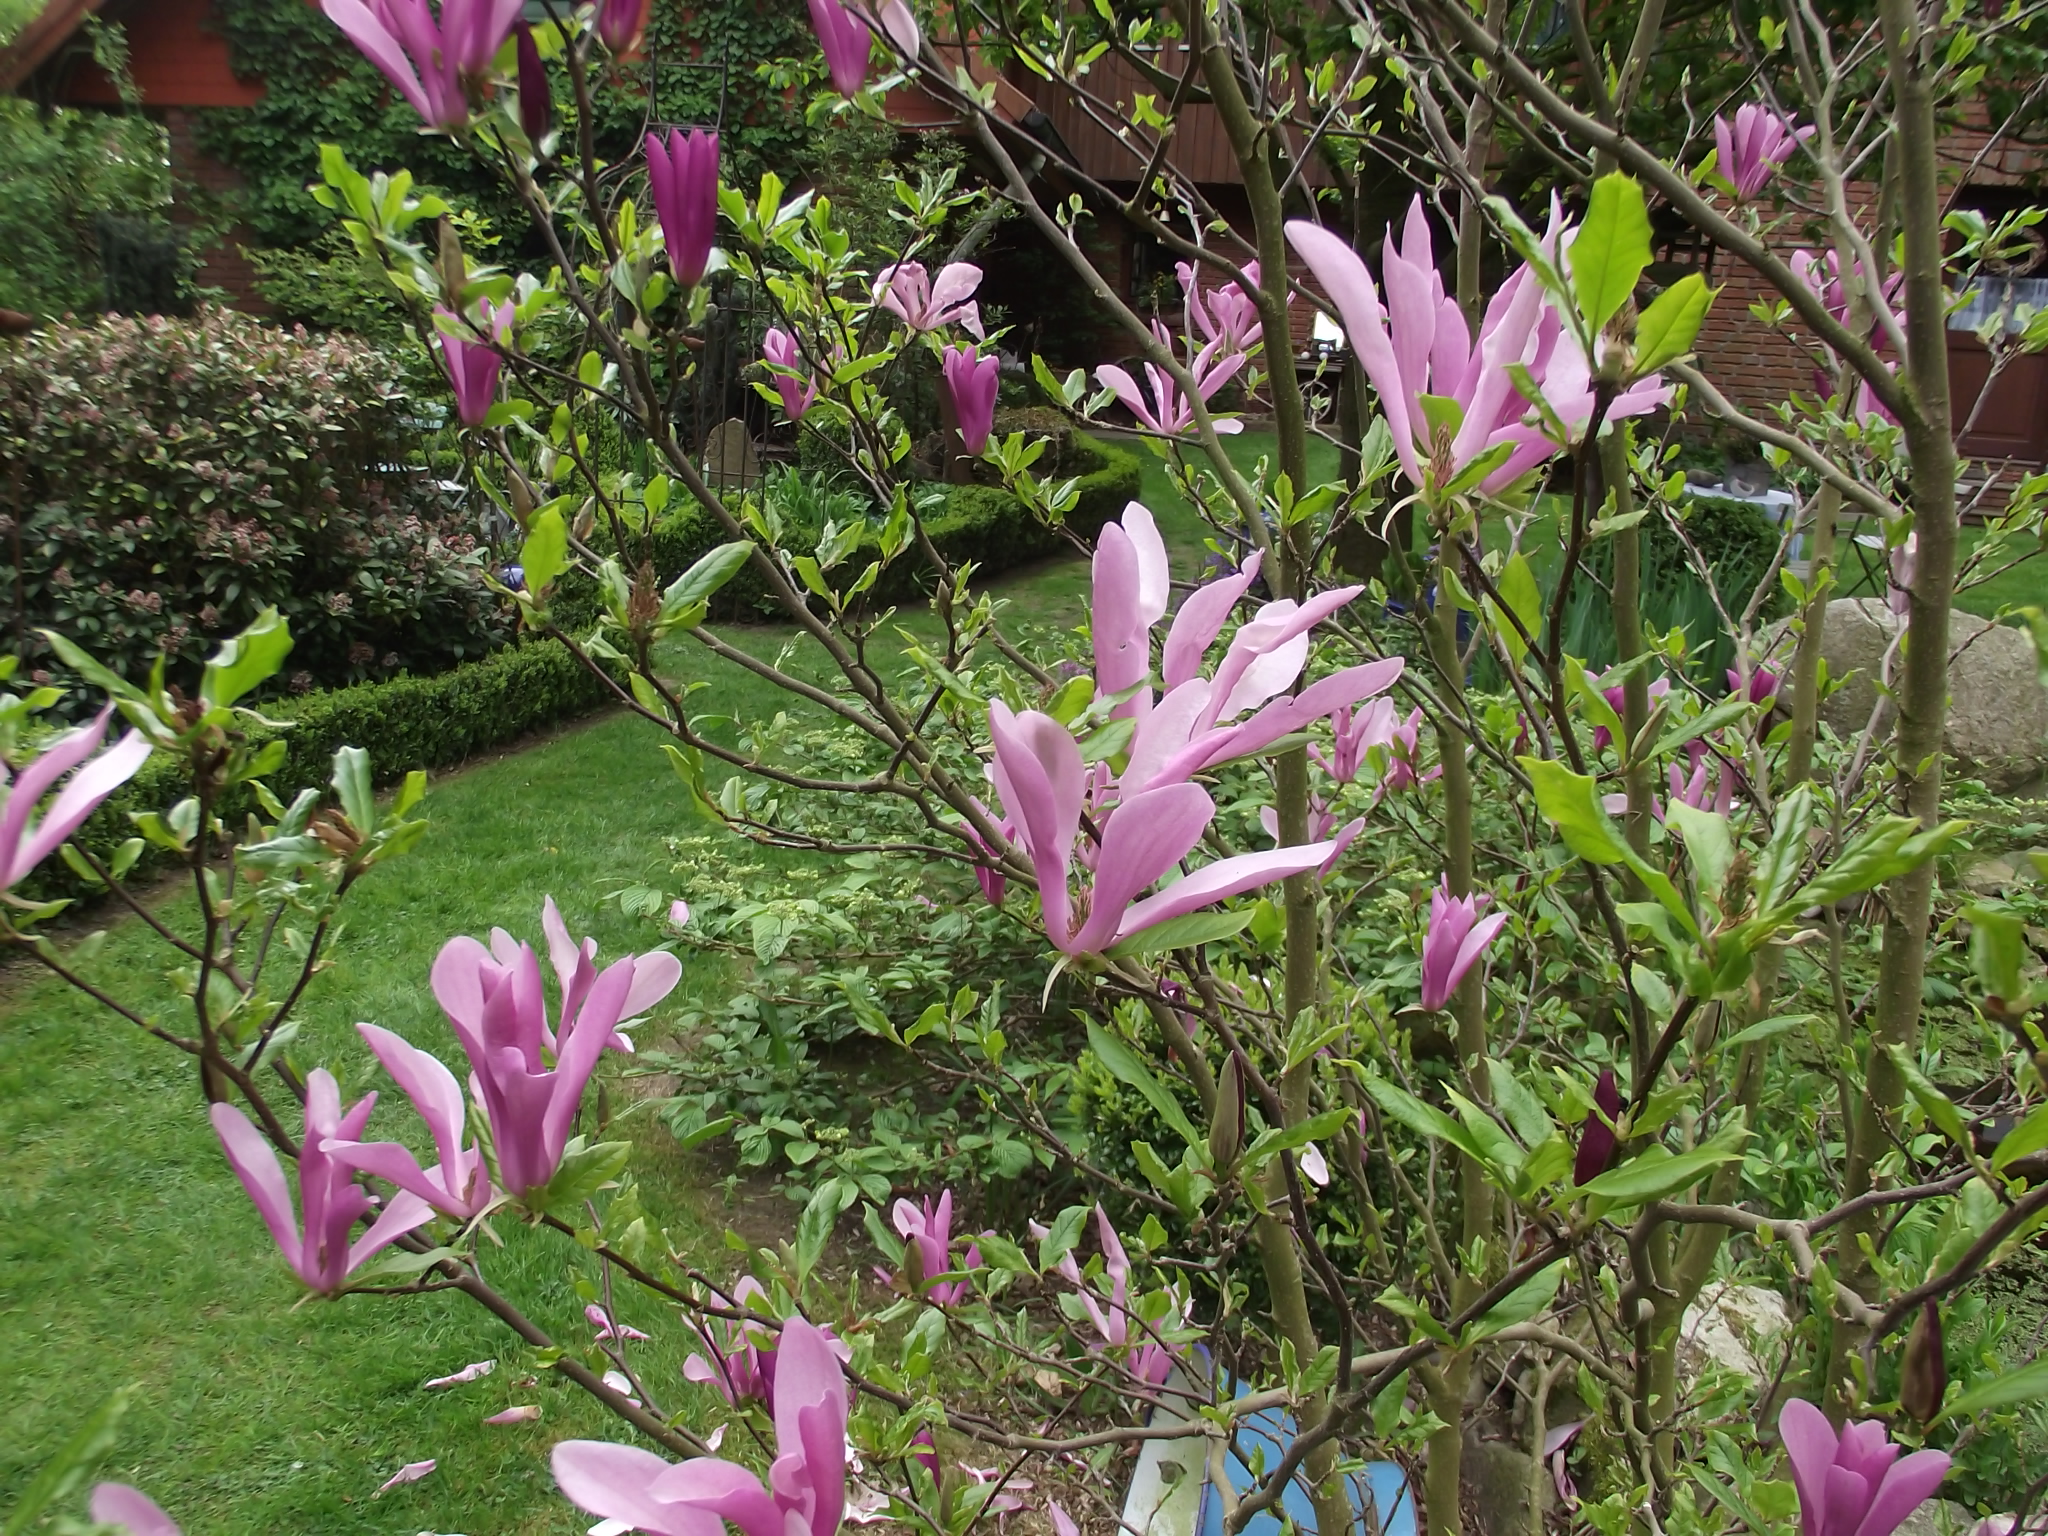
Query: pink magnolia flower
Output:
(1706,788)
(493,999)
(1225,314)
(25,843)
(927,1234)
(1143,1355)
(1749,149)
(1039,775)
(472,366)
(792,379)
(1854,1483)
(995,885)
(971,380)
(1448,397)
(329,1202)
(427,61)
(1164,409)
(1821,271)
(1616,696)
(908,293)
(844,38)
(684,176)
(741,1361)
(129,1510)
(1454,942)
(622,23)
(806,1490)
(1132,586)
(459,1185)
(1763,683)
(1597,1140)
(1355,733)
(607,1328)
(1404,748)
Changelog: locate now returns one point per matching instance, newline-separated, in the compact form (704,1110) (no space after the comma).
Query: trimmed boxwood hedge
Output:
(982,523)
(403,723)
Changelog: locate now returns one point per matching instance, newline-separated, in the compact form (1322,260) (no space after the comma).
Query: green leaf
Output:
(583,1172)
(1398,1302)
(2023,1140)
(1884,852)
(1189,932)
(1061,1235)
(1765,1029)
(1709,842)
(1670,325)
(1423,1119)
(352,788)
(1648,1176)
(81,1454)
(248,659)
(1940,1109)
(1532,1296)
(1612,248)
(545,554)
(2001,1391)
(1271,1144)
(701,582)
(1521,596)
(1998,948)
(1522,1109)
(1570,803)
(1125,1066)
(1785,855)
(820,1216)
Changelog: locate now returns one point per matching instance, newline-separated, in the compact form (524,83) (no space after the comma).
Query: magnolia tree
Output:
(1662,1023)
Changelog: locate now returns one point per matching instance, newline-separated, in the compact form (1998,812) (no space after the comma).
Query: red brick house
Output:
(177,65)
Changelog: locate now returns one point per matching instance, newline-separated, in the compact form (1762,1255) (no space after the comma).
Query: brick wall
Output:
(221,264)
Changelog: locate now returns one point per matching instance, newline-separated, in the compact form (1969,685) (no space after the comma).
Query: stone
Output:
(730,461)
(1998,712)
(1732,1328)
(1944,1517)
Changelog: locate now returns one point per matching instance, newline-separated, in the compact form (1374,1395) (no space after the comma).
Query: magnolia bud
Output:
(536,103)
(1226,1130)
(1923,1379)
(454,271)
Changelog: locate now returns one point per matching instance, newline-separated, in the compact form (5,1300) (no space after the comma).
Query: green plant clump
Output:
(177,477)
(402,722)
(982,523)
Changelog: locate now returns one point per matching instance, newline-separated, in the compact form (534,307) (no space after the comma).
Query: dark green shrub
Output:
(982,523)
(177,477)
(402,722)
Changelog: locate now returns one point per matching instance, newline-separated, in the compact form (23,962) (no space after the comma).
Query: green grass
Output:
(129,1254)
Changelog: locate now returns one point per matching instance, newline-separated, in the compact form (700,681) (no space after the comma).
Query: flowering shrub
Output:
(179,476)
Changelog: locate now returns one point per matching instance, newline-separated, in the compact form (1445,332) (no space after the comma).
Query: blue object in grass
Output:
(1382,1486)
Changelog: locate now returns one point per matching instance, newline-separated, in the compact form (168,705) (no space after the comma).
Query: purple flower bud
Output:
(684,176)
(1597,1141)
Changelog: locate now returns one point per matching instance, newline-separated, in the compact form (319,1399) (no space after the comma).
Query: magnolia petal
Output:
(525,1414)
(411,1472)
(474,1371)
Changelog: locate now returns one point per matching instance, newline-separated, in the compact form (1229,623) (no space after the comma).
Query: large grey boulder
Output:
(1997,714)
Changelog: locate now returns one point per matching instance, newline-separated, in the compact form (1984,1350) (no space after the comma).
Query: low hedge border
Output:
(982,523)
(403,723)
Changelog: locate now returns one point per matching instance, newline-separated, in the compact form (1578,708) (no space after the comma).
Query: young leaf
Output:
(1532,1296)
(546,550)
(1612,248)
(1126,1068)
(250,658)
(1669,326)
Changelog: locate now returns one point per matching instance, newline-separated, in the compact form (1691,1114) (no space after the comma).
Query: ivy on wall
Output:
(320,90)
